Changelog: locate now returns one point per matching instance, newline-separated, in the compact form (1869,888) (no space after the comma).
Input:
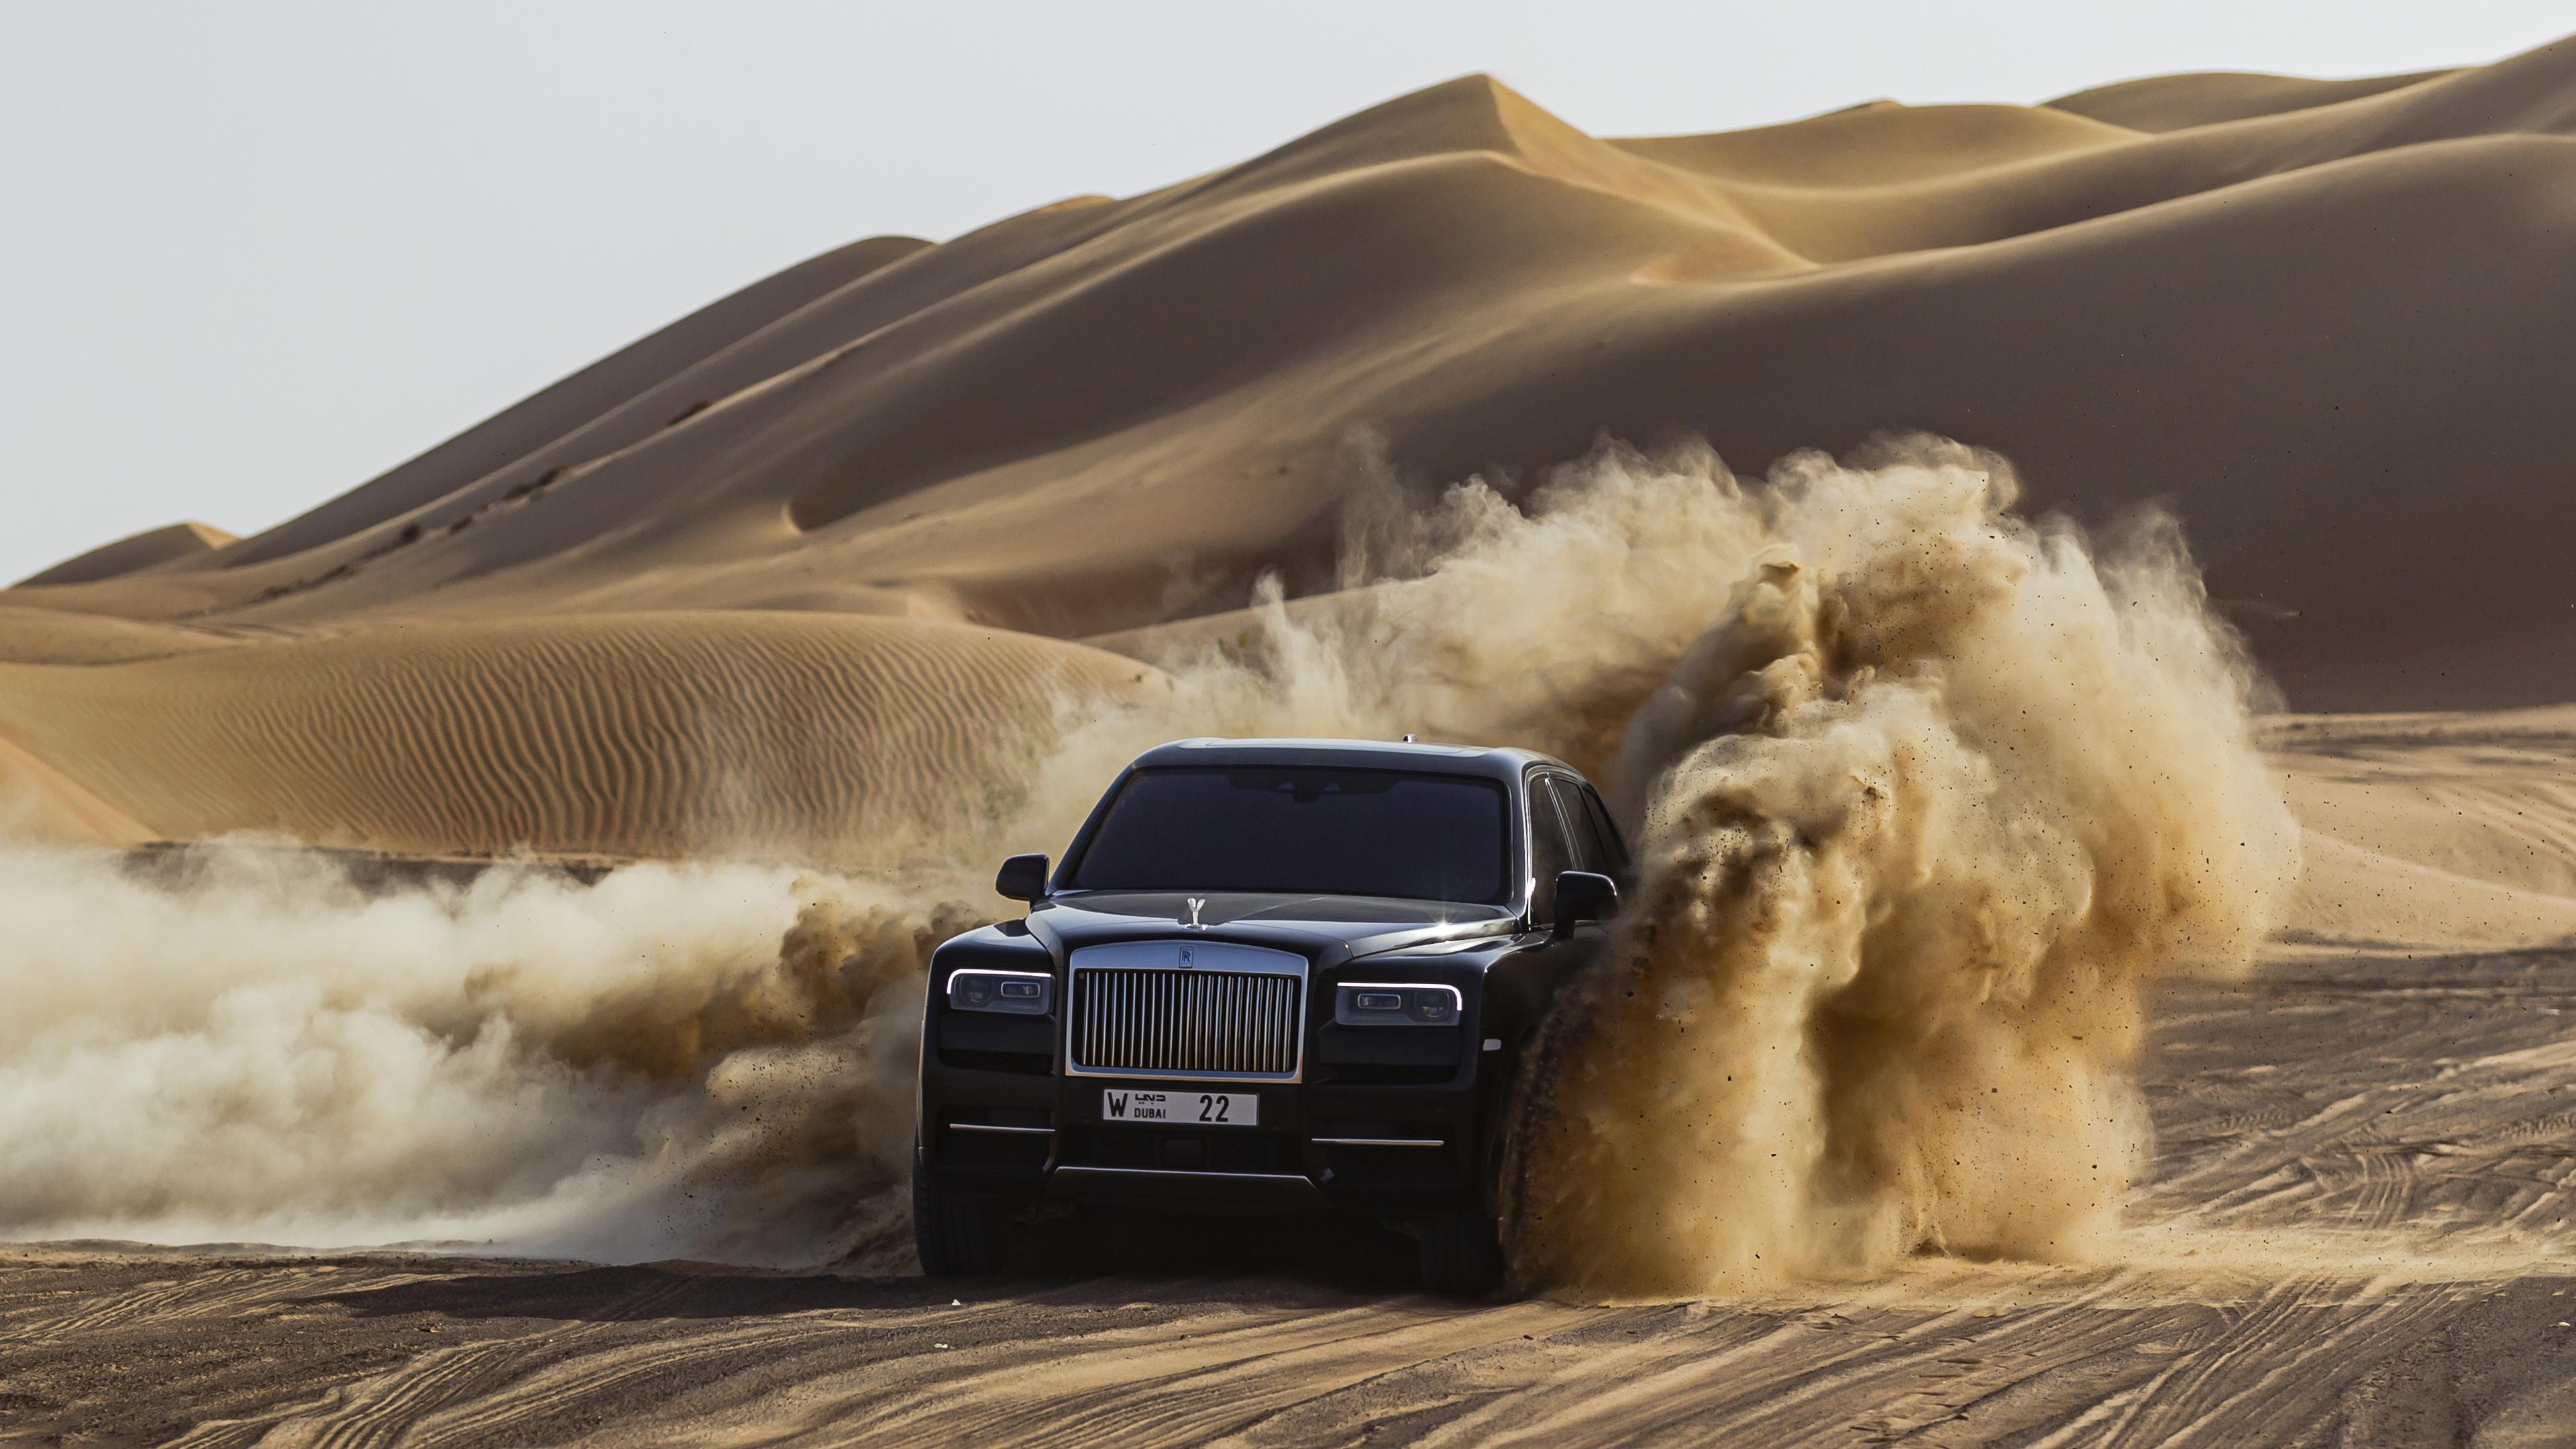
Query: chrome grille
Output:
(1137,1010)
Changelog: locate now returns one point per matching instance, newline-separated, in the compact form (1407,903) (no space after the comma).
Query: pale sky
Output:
(252,254)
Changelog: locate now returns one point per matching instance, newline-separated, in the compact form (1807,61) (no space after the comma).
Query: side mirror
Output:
(1022,878)
(1583,895)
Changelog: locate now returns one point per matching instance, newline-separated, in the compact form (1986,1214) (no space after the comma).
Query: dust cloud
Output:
(1922,793)
(1936,797)
(702,1061)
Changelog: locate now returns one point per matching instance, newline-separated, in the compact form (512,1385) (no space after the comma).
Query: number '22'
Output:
(1213,1109)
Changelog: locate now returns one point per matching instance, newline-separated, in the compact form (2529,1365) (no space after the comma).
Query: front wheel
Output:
(955,1237)
(1461,1254)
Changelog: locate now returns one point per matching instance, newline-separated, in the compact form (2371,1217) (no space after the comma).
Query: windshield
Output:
(1303,830)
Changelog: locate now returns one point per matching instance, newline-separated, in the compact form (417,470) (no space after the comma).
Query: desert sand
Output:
(806,583)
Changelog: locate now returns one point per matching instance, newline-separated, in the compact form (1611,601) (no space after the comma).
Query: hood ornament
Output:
(1192,924)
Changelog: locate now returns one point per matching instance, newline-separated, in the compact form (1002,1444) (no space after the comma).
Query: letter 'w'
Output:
(1118,1104)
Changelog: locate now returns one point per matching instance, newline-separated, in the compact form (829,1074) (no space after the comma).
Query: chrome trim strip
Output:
(1112,1174)
(1379,1141)
(1206,956)
(996,1127)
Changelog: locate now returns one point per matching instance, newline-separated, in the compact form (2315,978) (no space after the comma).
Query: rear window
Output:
(1304,830)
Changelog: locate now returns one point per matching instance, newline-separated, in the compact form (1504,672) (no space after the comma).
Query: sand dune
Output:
(822,738)
(152,548)
(2433,832)
(2178,102)
(37,802)
(2319,319)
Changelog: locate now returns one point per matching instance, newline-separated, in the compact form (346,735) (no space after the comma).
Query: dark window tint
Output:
(1615,851)
(1303,831)
(1590,851)
(1550,852)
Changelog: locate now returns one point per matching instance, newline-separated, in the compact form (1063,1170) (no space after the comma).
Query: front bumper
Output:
(1023,1138)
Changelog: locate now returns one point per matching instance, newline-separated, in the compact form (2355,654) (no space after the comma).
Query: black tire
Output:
(955,1237)
(1461,1254)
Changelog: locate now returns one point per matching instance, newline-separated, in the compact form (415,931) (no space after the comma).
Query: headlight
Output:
(1018,993)
(1368,1003)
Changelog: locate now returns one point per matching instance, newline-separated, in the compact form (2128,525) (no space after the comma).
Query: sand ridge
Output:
(2432,832)
(821,738)
(153,548)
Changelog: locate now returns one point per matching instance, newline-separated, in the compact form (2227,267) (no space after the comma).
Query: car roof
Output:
(1483,761)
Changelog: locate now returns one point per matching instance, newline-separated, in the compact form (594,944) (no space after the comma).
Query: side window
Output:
(1615,851)
(1591,852)
(1549,850)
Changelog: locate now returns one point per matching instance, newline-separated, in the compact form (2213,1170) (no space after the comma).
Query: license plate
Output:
(1197,1109)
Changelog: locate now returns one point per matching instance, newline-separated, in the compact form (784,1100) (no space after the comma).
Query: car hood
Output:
(1326,929)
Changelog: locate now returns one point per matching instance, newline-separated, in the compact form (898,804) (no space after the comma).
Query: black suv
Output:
(1270,976)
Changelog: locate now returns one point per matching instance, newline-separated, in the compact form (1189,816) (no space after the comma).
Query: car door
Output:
(1594,847)
(1521,996)
(1523,985)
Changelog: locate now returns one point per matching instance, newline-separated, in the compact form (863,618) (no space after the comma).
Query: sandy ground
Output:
(2356,1233)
